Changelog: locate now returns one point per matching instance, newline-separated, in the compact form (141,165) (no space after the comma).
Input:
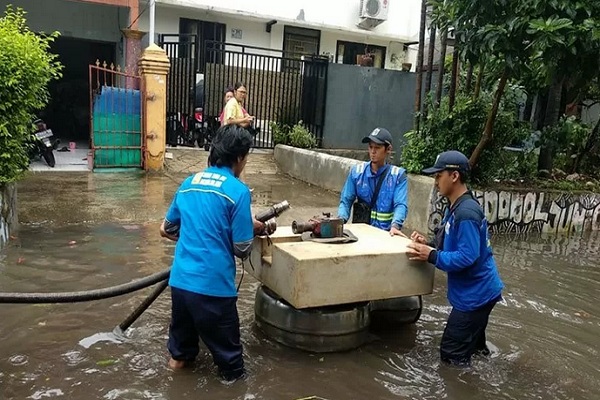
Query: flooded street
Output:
(88,231)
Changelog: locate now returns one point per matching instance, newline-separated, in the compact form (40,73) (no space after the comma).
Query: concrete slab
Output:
(311,274)
(75,160)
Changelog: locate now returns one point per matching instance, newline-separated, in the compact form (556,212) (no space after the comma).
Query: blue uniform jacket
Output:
(213,209)
(391,205)
(465,253)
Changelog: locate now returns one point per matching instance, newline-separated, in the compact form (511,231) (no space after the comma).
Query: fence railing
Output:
(282,90)
(115,117)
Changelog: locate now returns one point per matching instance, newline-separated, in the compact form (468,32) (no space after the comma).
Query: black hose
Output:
(123,326)
(87,295)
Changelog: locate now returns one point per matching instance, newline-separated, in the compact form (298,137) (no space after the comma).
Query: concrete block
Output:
(311,274)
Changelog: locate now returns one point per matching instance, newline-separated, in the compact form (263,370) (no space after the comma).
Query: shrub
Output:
(26,68)
(297,136)
(461,130)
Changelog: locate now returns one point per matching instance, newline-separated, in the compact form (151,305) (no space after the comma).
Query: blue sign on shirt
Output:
(213,211)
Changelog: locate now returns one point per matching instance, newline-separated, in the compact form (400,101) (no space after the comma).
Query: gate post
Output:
(133,52)
(154,66)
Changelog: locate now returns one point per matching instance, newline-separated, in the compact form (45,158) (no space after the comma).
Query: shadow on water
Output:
(544,335)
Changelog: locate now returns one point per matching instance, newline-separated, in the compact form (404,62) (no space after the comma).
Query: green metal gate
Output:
(115,118)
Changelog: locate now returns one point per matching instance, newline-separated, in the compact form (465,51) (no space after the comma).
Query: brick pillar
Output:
(154,66)
(133,52)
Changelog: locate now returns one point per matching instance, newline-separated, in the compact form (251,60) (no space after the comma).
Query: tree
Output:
(26,68)
(491,33)
(565,38)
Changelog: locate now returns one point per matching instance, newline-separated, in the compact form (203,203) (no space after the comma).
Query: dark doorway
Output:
(204,31)
(349,53)
(68,113)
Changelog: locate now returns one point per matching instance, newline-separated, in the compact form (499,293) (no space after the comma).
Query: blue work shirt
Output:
(390,208)
(213,211)
(465,253)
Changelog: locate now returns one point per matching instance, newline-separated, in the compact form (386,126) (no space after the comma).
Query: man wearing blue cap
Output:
(381,189)
(462,249)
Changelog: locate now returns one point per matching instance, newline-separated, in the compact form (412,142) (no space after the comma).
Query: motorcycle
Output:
(202,131)
(43,146)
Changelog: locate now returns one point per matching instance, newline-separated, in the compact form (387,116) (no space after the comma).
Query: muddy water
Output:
(88,231)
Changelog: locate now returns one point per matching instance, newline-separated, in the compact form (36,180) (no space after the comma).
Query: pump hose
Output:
(86,295)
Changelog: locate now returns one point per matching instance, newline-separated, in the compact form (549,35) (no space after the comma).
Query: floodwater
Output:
(86,231)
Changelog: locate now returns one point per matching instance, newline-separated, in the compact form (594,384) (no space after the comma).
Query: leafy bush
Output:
(461,130)
(569,135)
(26,68)
(297,136)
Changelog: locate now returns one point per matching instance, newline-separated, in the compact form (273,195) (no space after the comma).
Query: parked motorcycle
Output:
(43,146)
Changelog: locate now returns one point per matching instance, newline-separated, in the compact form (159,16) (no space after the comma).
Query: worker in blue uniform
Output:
(211,210)
(381,189)
(462,249)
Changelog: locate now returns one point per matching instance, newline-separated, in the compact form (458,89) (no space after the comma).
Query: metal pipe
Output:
(152,16)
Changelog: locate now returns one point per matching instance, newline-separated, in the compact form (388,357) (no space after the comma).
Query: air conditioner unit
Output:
(374,9)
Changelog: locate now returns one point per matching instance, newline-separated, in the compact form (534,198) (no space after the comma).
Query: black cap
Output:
(379,136)
(449,160)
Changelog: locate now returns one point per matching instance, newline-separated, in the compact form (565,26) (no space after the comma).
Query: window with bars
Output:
(298,42)
(204,31)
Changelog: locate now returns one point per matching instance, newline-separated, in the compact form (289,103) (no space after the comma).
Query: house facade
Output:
(342,30)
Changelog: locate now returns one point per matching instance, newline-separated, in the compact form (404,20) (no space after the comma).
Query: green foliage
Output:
(461,130)
(297,136)
(570,132)
(26,68)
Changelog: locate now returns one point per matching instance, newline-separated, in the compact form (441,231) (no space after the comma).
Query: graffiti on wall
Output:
(524,212)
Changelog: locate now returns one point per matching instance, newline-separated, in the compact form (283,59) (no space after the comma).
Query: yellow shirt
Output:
(233,110)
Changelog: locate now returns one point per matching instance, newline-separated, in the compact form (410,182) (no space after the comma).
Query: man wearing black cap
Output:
(381,189)
(463,251)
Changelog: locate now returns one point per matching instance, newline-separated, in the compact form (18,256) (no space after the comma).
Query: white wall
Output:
(402,23)
(254,32)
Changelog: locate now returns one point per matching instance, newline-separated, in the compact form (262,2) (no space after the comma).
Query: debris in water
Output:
(106,363)
(100,337)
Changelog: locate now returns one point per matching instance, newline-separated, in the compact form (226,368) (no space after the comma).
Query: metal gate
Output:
(182,96)
(115,117)
(283,88)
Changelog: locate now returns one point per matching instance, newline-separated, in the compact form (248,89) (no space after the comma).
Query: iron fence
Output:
(283,89)
(115,117)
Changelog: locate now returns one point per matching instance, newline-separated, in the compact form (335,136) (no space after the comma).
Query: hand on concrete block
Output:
(419,252)
(397,232)
(418,238)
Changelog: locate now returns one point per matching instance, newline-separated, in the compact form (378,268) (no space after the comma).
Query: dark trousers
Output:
(215,320)
(464,335)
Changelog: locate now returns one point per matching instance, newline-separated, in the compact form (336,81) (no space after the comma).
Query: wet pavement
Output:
(86,231)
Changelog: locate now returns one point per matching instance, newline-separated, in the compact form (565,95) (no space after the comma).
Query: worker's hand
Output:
(397,232)
(418,252)
(259,227)
(418,238)
(164,233)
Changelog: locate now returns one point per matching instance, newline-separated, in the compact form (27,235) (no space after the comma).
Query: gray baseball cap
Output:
(449,160)
(379,136)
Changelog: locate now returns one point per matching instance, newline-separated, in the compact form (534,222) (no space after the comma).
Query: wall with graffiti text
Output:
(525,212)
